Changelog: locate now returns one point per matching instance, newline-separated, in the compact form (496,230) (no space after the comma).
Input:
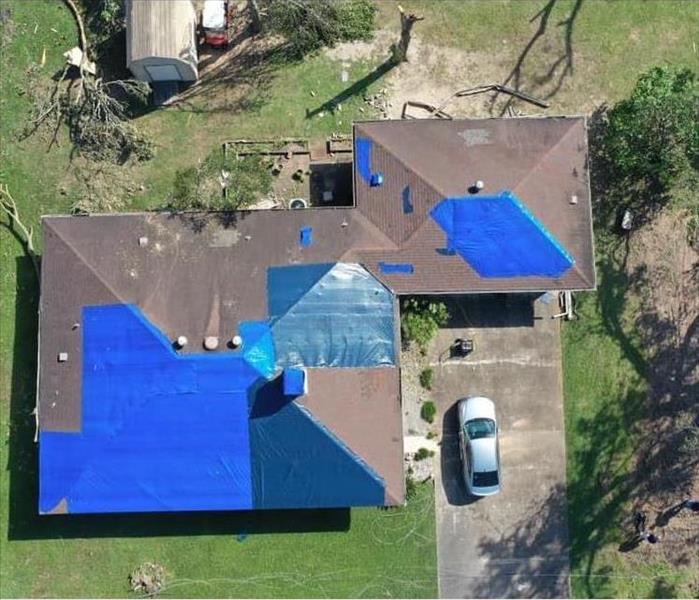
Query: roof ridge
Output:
(375,229)
(513,187)
(542,158)
(575,266)
(424,179)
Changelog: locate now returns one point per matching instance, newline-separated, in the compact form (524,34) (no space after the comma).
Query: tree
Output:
(421,319)
(651,143)
(407,20)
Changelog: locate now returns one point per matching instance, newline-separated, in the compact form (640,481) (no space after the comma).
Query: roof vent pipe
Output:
(477,186)
(236,342)
(376,179)
(181,341)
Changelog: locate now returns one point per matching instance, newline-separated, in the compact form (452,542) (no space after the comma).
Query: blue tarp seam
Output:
(540,226)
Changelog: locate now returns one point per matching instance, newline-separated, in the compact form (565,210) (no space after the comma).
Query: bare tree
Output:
(25,234)
(407,20)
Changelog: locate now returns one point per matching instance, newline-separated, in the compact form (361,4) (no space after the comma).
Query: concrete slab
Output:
(514,544)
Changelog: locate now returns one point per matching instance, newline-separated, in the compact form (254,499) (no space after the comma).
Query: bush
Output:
(421,319)
(308,25)
(410,487)
(200,188)
(356,20)
(423,453)
(428,411)
(426,376)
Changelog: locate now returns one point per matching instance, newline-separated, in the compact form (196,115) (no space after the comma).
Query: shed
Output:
(161,40)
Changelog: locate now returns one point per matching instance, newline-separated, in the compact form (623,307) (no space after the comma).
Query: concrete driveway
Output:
(514,544)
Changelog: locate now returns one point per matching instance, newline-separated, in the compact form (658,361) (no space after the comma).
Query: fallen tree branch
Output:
(81,26)
(25,234)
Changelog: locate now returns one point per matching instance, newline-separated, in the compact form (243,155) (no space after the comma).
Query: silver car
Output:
(478,441)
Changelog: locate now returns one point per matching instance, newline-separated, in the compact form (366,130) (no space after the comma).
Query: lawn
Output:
(605,386)
(581,54)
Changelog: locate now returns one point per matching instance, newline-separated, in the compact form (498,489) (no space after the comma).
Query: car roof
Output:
(484,454)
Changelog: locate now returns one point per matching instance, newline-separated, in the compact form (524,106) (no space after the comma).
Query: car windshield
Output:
(485,478)
(480,428)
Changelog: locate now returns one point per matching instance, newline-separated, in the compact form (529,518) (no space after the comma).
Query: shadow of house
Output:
(488,310)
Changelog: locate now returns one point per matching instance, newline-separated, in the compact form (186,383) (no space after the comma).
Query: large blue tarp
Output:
(297,462)
(160,431)
(164,431)
(334,315)
(499,237)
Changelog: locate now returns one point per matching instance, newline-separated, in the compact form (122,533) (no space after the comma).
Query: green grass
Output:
(605,385)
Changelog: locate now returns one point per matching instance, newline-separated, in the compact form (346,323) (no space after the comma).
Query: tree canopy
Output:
(308,25)
(651,143)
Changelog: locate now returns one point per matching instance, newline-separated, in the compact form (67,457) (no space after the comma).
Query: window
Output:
(480,428)
(485,478)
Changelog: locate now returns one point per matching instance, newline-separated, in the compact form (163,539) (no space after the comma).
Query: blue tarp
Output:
(362,157)
(335,315)
(294,381)
(163,431)
(407,197)
(297,462)
(160,431)
(499,237)
(306,236)
(396,268)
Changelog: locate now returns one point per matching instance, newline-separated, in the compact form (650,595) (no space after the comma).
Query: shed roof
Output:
(161,29)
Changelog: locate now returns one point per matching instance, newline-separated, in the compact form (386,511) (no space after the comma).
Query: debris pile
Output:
(148,578)
(379,102)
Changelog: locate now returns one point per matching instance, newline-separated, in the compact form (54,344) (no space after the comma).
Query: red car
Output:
(215,22)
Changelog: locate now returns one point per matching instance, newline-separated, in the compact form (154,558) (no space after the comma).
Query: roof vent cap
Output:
(236,341)
(181,341)
(376,179)
(210,342)
(477,186)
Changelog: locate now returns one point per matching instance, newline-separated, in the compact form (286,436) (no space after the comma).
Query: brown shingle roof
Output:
(543,161)
(202,275)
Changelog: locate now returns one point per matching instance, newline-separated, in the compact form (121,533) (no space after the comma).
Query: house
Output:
(249,360)
(161,41)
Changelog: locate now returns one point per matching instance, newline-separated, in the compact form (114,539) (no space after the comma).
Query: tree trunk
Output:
(255,16)
(407,20)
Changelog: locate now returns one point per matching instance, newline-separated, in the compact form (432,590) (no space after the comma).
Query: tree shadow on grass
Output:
(26,524)
(358,87)
(560,69)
